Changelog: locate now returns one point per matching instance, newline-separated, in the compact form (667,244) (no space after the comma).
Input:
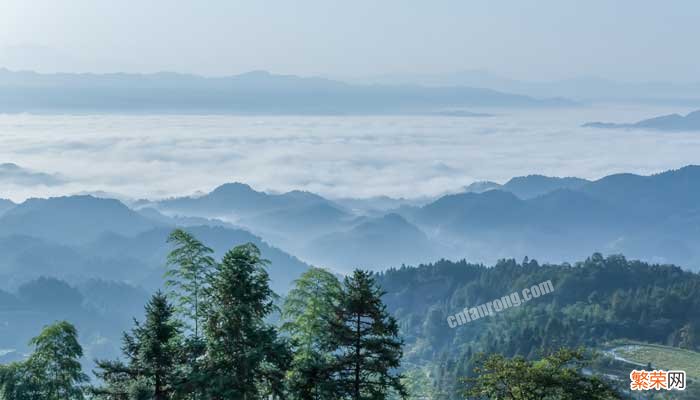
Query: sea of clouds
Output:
(155,156)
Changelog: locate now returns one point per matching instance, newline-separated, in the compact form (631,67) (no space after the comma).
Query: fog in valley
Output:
(315,200)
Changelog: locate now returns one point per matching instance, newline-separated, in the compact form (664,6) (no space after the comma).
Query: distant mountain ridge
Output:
(5,205)
(238,200)
(529,186)
(584,88)
(14,174)
(374,243)
(72,219)
(256,92)
(536,215)
(83,237)
(655,217)
(671,122)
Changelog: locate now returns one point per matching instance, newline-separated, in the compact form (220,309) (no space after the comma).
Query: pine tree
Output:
(245,359)
(365,339)
(158,343)
(308,309)
(151,350)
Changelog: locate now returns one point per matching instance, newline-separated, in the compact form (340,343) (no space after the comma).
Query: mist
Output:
(160,156)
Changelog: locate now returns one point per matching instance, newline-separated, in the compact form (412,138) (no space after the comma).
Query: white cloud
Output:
(156,156)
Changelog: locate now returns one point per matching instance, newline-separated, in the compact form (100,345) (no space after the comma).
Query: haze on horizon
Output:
(547,40)
(157,156)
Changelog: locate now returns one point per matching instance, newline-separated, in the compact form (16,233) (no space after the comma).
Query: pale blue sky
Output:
(631,40)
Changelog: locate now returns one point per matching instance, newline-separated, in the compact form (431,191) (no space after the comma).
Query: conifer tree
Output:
(244,359)
(151,352)
(366,342)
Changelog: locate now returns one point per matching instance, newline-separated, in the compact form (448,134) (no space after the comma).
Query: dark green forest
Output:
(218,331)
(595,301)
(209,337)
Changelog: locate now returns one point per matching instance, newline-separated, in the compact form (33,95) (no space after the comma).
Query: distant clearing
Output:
(661,357)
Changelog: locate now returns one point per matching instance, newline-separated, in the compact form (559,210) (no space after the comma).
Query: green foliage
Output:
(344,341)
(17,382)
(594,301)
(238,355)
(661,357)
(365,341)
(152,350)
(690,336)
(190,263)
(307,311)
(52,371)
(245,358)
(419,385)
(555,377)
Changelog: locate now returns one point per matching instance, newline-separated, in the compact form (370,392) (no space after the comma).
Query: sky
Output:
(627,40)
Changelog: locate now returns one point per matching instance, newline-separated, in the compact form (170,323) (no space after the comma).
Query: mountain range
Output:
(319,230)
(102,257)
(82,237)
(582,88)
(671,122)
(375,243)
(530,186)
(552,218)
(655,217)
(72,220)
(257,92)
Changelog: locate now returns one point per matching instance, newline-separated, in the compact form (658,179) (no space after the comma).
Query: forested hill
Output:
(594,301)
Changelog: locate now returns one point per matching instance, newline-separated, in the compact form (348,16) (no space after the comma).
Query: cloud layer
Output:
(158,156)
